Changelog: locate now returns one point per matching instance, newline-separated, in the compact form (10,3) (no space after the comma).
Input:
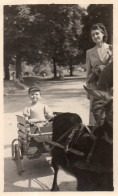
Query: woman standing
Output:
(96,59)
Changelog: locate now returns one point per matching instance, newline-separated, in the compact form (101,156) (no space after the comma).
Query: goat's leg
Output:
(84,181)
(55,186)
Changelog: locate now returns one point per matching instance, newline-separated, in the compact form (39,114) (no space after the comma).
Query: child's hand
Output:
(31,122)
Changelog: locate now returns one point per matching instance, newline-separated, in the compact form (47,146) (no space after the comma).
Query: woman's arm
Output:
(88,66)
(89,71)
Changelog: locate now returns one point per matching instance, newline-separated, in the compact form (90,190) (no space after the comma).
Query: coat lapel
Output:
(95,52)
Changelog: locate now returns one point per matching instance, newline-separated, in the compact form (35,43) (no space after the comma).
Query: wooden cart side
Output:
(22,120)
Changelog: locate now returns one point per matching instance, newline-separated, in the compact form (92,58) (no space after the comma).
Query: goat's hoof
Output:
(55,188)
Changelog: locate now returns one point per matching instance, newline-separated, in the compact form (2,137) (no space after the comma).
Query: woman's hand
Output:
(97,70)
(101,67)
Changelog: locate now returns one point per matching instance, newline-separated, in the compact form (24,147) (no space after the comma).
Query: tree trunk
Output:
(55,68)
(18,66)
(6,68)
(71,68)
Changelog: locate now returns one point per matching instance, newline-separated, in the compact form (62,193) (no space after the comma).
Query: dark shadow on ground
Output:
(29,81)
(33,171)
(31,179)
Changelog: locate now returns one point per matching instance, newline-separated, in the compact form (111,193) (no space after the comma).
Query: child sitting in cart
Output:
(37,112)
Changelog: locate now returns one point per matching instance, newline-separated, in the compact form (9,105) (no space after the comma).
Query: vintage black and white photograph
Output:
(58,97)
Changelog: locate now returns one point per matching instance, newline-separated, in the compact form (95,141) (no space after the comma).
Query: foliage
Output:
(16,22)
(59,30)
(38,32)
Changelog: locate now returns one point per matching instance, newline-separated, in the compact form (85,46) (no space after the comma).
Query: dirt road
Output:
(64,96)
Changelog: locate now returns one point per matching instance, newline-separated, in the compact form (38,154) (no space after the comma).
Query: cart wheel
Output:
(13,151)
(20,146)
(18,159)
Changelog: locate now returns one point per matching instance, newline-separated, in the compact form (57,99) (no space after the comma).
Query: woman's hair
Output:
(101,27)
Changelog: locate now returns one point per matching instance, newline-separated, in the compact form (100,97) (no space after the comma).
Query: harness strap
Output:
(92,136)
(62,136)
(70,137)
(81,131)
(89,156)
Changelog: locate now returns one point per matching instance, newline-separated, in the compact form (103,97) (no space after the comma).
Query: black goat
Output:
(92,167)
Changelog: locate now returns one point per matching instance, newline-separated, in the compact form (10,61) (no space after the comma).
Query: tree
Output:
(64,28)
(59,27)
(38,32)
(17,39)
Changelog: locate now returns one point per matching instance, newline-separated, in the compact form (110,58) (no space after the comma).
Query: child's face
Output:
(97,36)
(35,96)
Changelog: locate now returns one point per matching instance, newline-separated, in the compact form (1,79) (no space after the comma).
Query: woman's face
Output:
(97,36)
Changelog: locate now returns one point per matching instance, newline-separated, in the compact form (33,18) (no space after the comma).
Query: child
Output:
(37,111)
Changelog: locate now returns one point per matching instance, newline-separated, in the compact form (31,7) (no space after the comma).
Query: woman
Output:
(96,59)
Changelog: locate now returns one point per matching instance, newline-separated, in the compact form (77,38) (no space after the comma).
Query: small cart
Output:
(30,142)
(33,141)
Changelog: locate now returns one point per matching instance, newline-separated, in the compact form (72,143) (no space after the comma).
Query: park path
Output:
(61,96)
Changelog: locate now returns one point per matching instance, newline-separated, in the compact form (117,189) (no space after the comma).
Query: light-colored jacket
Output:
(93,59)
